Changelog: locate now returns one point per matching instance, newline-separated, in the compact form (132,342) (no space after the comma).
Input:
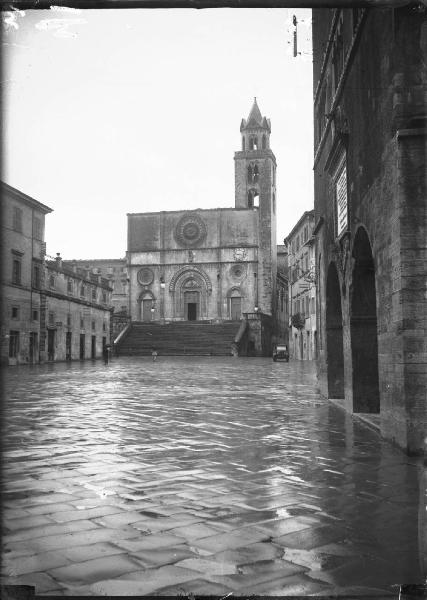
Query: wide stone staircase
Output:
(178,338)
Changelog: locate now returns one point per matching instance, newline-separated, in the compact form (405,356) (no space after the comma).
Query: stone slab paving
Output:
(199,476)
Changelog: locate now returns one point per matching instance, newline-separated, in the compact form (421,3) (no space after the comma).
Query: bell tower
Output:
(255,188)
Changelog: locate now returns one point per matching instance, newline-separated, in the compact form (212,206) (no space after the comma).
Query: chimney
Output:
(58,260)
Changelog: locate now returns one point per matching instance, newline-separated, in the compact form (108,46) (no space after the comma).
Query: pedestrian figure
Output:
(154,354)
(106,354)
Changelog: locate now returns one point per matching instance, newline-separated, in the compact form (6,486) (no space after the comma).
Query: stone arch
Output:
(253,142)
(334,334)
(253,198)
(186,281)
(363,326)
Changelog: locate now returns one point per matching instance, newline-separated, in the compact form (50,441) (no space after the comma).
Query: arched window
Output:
(253,143)
(243,144)
(253,198)
(249,174)
(264,142)
(256,174)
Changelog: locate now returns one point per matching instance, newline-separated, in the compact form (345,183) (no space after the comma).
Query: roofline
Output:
(92,260)
(190,210)
(307,213)
(18,195)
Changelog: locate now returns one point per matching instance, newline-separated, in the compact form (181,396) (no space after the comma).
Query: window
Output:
(313,306)
(104,297)
(69,286)
(93,294)
(297,243)
(93,325)
(36,277)
(253,143)
(307,306)
(82,323)
(243,144)
(264,142)
(341,210)
(274,203)
(249,174)
(51,319)
(35,315)
(37,228)
(51,281)
(104,327)
(13,344)
(17,219)
(16,271)
(82,290)
(15,312)
(69,320)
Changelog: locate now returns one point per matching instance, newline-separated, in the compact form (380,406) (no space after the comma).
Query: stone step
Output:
(177,338)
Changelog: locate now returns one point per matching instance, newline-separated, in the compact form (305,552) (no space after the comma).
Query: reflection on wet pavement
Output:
(199,476)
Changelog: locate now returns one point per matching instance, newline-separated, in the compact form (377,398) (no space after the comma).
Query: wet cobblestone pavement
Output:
(198,476)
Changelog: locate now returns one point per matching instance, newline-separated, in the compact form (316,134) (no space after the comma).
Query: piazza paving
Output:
(199,476)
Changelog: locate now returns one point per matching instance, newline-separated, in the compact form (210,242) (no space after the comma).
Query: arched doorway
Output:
(191,305)
(235,304)
(334,337)
(190,288)
(363,328)
(146,305)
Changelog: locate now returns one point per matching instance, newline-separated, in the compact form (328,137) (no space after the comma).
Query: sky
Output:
(109,112)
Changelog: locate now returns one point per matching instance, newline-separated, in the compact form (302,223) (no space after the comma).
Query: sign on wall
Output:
(341,210)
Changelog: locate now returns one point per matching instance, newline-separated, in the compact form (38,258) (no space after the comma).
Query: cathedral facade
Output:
(212,264)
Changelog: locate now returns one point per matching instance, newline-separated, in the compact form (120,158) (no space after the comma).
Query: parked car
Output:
(280,353)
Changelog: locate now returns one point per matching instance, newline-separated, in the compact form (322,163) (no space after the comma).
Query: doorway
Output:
(68,345)
(147,305)
(363,328)
(33,347)
(51,344)
(334,335)
(82,346)
(235,308)
(191,303)
(93,347)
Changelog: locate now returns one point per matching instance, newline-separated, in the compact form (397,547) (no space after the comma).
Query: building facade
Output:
(370,78)
(115,271)
(78,312)
(302,289)
(281,326)
(23,302)
(214,264)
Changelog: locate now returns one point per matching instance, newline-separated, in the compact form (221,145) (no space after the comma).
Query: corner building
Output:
(215,264)
(370,80)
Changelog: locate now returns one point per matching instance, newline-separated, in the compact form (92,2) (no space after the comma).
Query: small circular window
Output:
(238,271)
(145,276)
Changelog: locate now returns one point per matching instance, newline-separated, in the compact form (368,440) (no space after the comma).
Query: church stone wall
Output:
(223,261)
